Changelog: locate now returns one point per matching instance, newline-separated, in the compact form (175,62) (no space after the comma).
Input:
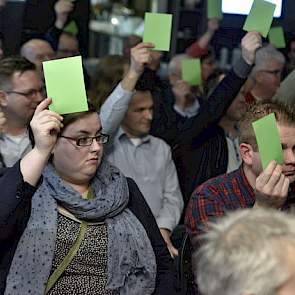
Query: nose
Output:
(96,146)
(148,114)
(289,157)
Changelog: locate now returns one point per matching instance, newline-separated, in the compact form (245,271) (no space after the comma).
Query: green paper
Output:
(71,28)
(260,17)
(157,30)
(268,140)
(65,85)
(214,9)
(191,71)
(276,37)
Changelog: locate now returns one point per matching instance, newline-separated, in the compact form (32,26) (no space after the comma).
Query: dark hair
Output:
(147,81)
(11,65)
(68,120)
(73,117)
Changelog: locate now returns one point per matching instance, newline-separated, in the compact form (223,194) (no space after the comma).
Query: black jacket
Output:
(15,212)
(199,147)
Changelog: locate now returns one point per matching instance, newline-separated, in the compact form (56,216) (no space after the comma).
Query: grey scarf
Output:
(131,260)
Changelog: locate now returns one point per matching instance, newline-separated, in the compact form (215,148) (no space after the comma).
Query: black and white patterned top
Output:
(87,272)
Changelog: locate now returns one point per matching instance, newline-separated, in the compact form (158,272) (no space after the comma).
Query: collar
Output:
(122,134)
(190,111)
(245,182)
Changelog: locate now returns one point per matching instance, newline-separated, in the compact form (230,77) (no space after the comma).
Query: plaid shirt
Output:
(215,197)
(219,195)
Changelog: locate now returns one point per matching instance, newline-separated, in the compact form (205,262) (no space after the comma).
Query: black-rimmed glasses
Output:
(87,141)
(29,93)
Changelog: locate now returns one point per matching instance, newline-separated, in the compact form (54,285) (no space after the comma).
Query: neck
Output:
(251,177)
(185,102)
(229,126)
(261,94)
(14,128)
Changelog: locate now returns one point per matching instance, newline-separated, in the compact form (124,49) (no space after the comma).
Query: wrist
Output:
(59,24)
(41,154)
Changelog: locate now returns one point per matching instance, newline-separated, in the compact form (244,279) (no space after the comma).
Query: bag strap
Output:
(68,258)
(71,254)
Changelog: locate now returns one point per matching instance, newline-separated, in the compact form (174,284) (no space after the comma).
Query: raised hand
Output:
(271,187)
(250,43)
(213,25)
(62,10)
(45,125)
(140,56)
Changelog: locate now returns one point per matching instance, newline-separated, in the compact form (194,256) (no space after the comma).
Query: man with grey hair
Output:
(266,74)
(248,252)
(186,102)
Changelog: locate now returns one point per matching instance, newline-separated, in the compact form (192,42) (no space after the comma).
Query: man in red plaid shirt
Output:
(250,185)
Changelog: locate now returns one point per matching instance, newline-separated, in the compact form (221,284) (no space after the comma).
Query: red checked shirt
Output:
(217,196)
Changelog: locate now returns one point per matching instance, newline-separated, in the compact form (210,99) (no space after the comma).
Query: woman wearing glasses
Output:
(90,230)
(72,224)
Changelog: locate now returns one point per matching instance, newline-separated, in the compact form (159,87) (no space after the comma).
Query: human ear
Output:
(247,153)
(3,98)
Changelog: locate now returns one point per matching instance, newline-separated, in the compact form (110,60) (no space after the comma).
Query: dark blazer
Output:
(15,209)
(198,144)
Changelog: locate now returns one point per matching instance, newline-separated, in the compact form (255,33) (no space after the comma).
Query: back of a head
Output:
(284,115)
(244,253)
(11,65)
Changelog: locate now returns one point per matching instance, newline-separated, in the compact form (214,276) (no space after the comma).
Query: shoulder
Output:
(217,186)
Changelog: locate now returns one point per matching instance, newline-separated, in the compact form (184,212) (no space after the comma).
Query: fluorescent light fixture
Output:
(243,6)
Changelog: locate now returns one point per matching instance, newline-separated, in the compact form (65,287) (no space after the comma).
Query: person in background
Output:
(250,185)
(21,90)
(248,252)
(37,51)
(266,74)
(110,71)
(67,45)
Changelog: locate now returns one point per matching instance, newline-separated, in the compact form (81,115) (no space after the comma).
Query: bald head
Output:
(37,51)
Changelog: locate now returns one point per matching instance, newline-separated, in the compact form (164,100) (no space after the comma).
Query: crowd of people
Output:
(90,201)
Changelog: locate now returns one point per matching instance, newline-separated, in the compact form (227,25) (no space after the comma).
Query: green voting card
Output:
(268,140)
(276,37)
(260,17)
(214,9)
(191,71)
(71,28)
(157,30)
(65,85)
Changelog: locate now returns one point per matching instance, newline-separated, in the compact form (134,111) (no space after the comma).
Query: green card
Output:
(191,71)
(157,30)
(260,17)
(65,85)
(268,140)
(276,37)
(214,9)
(71,28)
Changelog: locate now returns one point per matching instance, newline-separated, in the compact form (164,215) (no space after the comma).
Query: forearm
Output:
(32,165)
(205,39)
(114,109)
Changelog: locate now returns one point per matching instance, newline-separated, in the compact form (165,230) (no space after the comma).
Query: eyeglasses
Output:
(273,72)
(30,93)
(87,141)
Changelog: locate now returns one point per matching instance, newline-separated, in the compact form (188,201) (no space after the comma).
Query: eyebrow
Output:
(87,132)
